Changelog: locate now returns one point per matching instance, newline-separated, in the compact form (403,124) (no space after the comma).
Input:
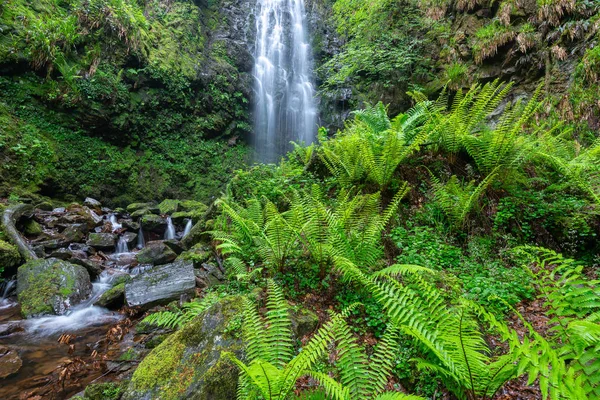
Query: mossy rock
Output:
(169,206)
(156,253)
(32,228)
(9,255)
(196,236)
(104,391)
(51,286)
(304,322)
(102,241)
(139,206)
(191,205)
(188,364)
(198,254)
(113,297)
(154,223)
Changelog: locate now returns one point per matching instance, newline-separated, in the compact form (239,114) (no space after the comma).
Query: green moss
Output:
(169,206)
(9,256)
(44,282)
(104,391)
(32,228)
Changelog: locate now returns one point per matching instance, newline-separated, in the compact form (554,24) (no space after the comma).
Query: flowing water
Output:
(285,108)
(141,243)
(170,232)
(6,289)
(113,221)
(188,228)
(122,246)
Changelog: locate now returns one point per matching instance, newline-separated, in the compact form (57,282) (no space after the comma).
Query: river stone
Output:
(161,285)
(51,286)
(115,296)
(209,275)
(130,224)
(10,362)
(188,364)
(130,237)
(102,241)
(75,232)
(139,206)
(92,203)
(199,254)
(9,255)
(62,254)
(154,223)
(93,268)
(156,253)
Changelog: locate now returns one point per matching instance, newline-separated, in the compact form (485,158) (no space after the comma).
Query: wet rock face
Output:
(188,364)
(161,285)
(156,253)
(10,362)
(154,223)
(51,286)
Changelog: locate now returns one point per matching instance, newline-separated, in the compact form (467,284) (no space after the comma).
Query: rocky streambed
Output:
(87,274)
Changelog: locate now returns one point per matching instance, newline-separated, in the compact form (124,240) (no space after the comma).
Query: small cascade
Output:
(6,288)
(113,221)
(170,232)
(122,246)
(141,243)
(188,228)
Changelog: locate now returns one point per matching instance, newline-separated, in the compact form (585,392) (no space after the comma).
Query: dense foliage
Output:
(122,99)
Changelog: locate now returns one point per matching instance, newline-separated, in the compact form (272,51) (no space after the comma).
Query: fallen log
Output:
(9,220)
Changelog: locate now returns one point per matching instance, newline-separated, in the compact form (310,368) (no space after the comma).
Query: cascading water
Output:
(141,243)
(170,232)
(188,228)
(6,289)
(285,107)
(113,221)
(122,246)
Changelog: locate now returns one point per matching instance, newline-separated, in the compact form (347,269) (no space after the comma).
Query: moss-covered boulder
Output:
(154,223)
(156,253)
(102,241)
(169,206)
(51,286)
(198,254)
(32,228)
(194,210)
(188,364)
(137,210)
(115,296)
(9,255)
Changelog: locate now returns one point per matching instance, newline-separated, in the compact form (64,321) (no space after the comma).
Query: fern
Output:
(188,311)
(458,200)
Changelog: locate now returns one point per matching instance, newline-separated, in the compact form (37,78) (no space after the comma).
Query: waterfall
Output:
(122,246)
(170,232)
(188,228)
(113,221)
(141,243)
(6,289)
(285,108)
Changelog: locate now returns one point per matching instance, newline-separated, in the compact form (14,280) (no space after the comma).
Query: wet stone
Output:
(10,362)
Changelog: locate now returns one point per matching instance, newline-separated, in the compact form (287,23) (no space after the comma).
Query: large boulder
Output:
(156,253)
(140,209)
(51,286)
(189,363)
(161,285)
(75,233)
(102,241)
(154,223)
(169,206)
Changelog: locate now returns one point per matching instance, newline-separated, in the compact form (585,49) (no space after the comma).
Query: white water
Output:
(8,288)
(188,228)
(122,246)
(113,221)
(170,232)
(80,316)
(285,108)
(141,243)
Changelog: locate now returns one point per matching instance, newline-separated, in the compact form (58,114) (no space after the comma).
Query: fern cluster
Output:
(178,318)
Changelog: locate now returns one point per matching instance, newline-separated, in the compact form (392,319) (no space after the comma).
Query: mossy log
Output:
(9,220)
